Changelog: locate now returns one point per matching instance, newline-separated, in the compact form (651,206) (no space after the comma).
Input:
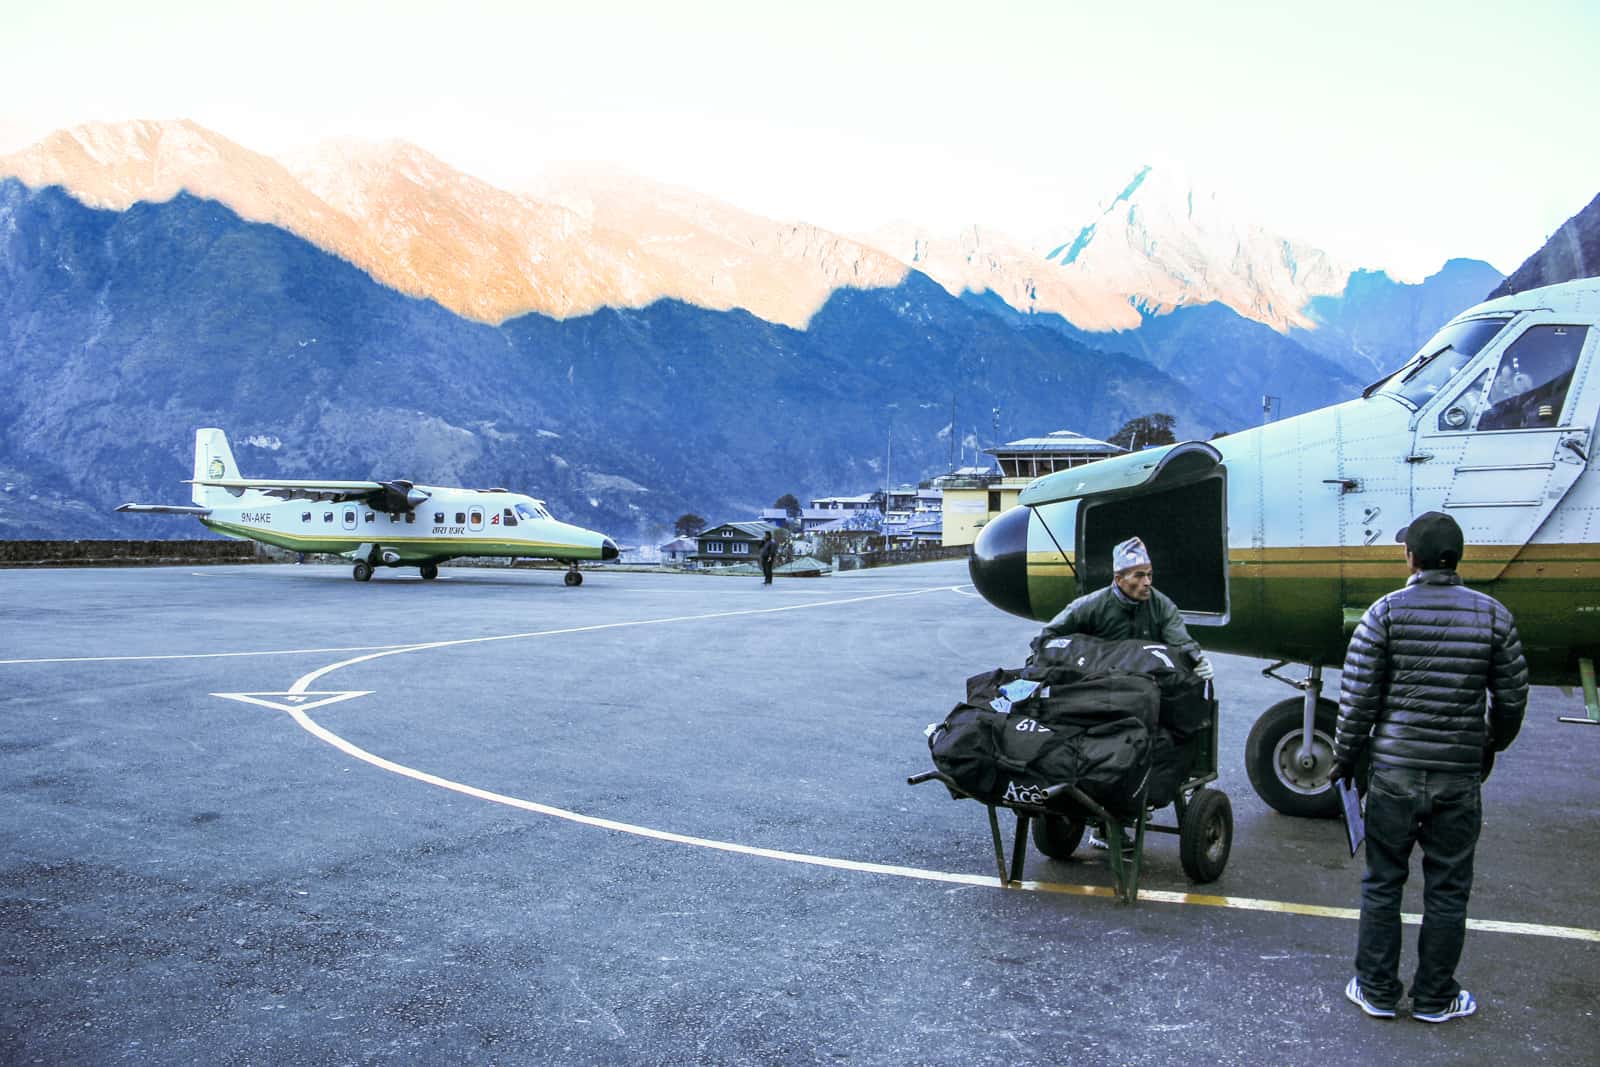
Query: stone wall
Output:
(123,553)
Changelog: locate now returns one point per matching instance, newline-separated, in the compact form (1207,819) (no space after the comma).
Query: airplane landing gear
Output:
(362,571)
(1287,771)
(429,571)
(574,576)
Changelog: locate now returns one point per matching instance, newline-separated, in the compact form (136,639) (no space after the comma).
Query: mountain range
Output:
(627,350)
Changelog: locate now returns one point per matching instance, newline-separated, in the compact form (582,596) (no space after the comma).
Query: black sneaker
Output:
(1354,995)
(1459,1008)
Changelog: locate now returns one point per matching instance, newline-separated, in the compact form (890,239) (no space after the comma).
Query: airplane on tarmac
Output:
(1274,540)
(390,524)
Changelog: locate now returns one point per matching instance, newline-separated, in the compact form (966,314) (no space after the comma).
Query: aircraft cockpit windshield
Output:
(532,510)
(1441,359)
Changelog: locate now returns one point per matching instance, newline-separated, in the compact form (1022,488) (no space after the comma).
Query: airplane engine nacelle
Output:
(398,496)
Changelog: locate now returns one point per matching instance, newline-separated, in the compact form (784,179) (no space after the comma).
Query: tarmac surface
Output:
(663,819)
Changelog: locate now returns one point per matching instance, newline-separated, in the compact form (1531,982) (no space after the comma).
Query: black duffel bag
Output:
(1185,707)
(1093,699)
(1014,758)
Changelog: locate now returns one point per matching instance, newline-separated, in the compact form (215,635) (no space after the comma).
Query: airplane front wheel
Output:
(1270,758)
(574,578)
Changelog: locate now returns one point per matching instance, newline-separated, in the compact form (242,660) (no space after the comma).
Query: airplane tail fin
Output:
(213,461)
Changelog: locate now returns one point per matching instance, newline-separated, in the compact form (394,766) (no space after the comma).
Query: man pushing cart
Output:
(1112,719)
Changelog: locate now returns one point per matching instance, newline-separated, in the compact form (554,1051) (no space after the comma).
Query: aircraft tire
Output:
(362,571)
(1057,836)
(429,571)
(1205,837)
(1269,759)
(574,578)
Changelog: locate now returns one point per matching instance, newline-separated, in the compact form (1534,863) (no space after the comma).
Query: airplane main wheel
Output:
(574,578)
(1205,836)
(1057,836)
(1271,758)
(362,571)
(430,571)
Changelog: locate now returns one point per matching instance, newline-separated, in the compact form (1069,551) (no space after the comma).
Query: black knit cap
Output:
(1434,540)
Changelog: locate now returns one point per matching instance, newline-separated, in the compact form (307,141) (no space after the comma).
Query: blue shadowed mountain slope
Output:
(126,330)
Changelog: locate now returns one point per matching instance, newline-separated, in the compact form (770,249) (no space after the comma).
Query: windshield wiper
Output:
(1415,364)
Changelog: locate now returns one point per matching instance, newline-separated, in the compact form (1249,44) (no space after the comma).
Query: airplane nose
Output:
(999,563)
(608,549)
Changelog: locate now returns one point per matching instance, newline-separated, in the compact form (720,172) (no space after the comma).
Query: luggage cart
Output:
(1060,814)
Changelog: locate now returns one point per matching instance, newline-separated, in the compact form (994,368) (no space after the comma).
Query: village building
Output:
(732,542)
(975,496)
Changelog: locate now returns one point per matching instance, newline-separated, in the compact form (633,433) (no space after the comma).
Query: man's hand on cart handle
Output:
(1203,667)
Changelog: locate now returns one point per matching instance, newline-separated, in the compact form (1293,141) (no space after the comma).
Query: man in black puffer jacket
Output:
(1414,684)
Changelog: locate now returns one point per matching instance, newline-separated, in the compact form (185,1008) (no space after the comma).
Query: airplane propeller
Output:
(400,495)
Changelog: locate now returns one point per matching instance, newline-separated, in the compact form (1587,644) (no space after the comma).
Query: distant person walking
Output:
(1422,665)
(769,556)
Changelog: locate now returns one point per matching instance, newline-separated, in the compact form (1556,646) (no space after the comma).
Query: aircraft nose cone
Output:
(999,563)
(608,549)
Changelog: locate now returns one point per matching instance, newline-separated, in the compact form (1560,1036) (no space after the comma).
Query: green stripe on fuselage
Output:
(1291,604)
(418,549)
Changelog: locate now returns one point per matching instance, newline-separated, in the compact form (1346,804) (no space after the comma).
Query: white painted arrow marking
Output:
(295,701)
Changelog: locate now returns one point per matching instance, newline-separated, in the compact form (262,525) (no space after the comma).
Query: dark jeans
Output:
(1440,811)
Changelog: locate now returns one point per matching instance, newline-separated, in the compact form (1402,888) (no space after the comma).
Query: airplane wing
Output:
(166,509)
(394,496)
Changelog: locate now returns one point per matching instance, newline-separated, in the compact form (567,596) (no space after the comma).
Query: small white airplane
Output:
(1274,540)
(390,524)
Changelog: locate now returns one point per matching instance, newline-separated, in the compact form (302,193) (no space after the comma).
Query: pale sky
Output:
(1392,134)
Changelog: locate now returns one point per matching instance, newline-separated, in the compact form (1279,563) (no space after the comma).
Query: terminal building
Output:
(974,496)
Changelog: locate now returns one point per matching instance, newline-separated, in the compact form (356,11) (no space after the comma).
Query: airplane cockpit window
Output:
(532,512)
(1530,385)
(1441,359)
(1458,416)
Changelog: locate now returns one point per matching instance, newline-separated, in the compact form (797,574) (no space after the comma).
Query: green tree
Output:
(1145,432)
(689,525)
(789,504)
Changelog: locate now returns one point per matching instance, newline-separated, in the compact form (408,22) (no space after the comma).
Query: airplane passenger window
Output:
(411,516)
(327,516)
(438,516)
(1530,385)
(369,516)
(461,518)
(305,516)
(1458,416)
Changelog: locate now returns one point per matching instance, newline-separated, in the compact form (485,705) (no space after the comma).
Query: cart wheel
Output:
(1206,835)
(1057,836)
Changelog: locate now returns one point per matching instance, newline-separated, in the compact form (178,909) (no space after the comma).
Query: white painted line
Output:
(200,655)
(294,701)
(415,646)
(305,681)
(991,881)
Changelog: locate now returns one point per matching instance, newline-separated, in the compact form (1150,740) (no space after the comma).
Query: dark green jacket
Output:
(1105,614)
